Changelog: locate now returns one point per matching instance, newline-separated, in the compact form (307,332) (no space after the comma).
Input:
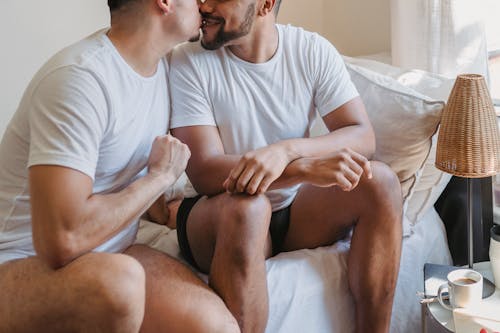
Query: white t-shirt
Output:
(88,110)
(254,105)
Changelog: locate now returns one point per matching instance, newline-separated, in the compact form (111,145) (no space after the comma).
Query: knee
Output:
(121,284)
(383,186)
(247,215)
(245,228)
(221,324)
(215,322)
(117,284)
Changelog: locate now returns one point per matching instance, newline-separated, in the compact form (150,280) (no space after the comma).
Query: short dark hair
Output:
(277,7)
(118,4)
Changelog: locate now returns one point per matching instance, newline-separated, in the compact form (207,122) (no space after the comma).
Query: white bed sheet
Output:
(308,290)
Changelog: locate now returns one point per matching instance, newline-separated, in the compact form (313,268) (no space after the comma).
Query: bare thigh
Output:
(320,216)
(177,300)
(35,297)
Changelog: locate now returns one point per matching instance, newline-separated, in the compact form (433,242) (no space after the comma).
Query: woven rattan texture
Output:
(469,139)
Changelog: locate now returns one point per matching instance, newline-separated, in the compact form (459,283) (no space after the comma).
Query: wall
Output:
(355,27)
(31,32)
(358,27)
(307,14)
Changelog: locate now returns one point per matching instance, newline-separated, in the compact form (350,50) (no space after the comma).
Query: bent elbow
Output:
(55,260)
(56,252)
(203,184)
(203,187)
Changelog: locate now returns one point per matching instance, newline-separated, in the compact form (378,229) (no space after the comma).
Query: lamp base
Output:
(488,288)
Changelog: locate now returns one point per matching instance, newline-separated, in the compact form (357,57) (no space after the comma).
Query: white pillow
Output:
(432,181)
(431,85)
(404,122)
(428,188)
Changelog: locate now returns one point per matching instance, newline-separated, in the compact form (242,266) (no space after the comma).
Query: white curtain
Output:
(440,36)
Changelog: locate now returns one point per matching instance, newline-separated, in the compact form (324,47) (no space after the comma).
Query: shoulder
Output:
(80,62)
(293,34)
(303,40)
(68,90)
(89,53)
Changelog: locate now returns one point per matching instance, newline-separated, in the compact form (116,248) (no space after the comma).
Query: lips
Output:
(208,21)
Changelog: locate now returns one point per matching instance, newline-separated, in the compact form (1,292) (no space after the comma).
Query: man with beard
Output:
(244,101)
(87,154)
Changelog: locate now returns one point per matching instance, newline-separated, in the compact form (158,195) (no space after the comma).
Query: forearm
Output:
(302,155)
(107,214)
(305,152)
(359,138)
(295,173)
(98,218)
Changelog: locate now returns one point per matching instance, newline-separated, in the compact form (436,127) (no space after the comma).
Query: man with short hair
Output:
(244,101)
(83,158)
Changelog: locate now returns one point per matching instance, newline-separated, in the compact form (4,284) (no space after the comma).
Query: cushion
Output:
(428,188)
(403,119)
(430,182)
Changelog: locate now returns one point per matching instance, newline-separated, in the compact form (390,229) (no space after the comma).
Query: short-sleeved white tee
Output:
(254,105)
(88,110)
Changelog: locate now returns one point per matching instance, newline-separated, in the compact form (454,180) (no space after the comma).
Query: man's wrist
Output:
(290,150)
(164,179)
(302,169)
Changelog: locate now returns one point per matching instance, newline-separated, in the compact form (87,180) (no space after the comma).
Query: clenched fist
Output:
(343,168)
(168,157)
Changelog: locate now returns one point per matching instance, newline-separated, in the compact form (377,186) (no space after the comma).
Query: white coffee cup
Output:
(495,254)
(465,288)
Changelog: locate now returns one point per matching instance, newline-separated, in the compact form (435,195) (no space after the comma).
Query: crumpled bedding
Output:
(308,289)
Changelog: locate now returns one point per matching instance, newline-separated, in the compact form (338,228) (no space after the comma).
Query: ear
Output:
(165,6)
(266,7)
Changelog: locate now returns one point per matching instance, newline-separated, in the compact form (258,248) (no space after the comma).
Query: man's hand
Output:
(343,169)
(168,157)
(159,212)
(164,212)
(257,170)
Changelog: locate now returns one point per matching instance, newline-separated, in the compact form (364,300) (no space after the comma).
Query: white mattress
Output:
(308,289)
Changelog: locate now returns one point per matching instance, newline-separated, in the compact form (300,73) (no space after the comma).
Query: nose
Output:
(205,6)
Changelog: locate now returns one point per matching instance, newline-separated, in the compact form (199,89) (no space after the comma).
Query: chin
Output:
(195,38)
(211,45)
(206,46)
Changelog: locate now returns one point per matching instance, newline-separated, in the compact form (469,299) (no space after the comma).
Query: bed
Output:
(308,289)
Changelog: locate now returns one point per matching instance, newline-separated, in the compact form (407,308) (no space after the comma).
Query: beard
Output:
(222,37)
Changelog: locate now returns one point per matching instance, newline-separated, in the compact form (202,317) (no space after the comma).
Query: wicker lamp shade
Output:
(469,140)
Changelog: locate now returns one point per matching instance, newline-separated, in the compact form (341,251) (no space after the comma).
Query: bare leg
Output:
(177,300)
(94,293)
(321,216)
(228,235)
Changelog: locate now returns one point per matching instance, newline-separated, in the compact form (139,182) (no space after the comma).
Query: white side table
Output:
(436,319)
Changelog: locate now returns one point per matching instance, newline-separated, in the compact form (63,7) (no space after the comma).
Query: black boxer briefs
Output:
(280,221)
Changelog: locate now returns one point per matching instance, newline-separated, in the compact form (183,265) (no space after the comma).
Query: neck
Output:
(259,45)
(140,45)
